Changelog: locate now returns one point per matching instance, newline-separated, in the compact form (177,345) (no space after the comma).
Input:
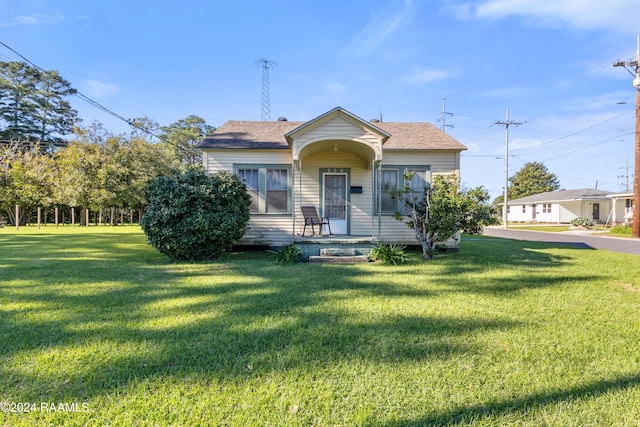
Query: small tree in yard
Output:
(442,211)
(195,216)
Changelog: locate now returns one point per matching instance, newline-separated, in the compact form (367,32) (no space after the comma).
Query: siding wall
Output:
(360,206)
(441,163)
(262,229)
(622,214)
(276,229)
(561,212)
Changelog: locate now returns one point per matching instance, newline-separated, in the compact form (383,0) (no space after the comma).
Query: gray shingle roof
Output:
(270,135)
(246,134)
(563,195)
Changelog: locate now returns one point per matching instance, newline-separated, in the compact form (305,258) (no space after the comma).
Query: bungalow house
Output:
(562,206)
(338,163)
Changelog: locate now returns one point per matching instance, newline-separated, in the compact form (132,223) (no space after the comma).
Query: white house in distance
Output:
(338,163)
(564,205)
(622,207)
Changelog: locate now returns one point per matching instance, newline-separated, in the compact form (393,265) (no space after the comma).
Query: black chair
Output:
(310,215)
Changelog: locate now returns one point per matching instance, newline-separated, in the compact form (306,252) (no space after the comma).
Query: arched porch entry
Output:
(334,158)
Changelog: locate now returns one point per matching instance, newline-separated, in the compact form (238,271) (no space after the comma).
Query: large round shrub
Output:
(195,216)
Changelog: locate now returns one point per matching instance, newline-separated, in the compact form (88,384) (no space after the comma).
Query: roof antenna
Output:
(443,116)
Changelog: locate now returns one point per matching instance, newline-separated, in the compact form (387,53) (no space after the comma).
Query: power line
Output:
(87,99)
(583,148)
(574,133)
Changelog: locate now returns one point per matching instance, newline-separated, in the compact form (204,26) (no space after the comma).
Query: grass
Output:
(500,333)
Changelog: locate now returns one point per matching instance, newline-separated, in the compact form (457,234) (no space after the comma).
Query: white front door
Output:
(335,201)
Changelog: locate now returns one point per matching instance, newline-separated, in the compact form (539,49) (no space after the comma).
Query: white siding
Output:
(262,229)
(268,230)
(225,159)
(277,229)
(516,214)
(337,128)
(441,163)
(360,206)
(561,212)
(622,214)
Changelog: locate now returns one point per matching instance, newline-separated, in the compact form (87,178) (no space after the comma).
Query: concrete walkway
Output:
(595,241)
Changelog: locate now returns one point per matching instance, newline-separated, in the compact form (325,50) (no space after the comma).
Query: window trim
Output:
(401,171)
(262,185)
(257,190)
(379,195)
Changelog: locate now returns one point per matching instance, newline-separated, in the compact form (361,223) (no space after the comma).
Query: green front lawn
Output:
(500,333)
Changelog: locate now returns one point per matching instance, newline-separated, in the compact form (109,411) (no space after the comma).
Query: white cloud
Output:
(463,11)
(381,25)
(473,147)
(98,89)
(422,75)
(507,92)
(37,19)
(335,87)
(613,15)
(602,102)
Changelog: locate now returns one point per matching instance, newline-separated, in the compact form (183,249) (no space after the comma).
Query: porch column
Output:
(293,225)
(299,183)
(379,200)
(373,198)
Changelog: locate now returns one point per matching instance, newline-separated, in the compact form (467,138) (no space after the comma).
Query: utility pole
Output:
(633,67)
(626,169)
(266,64)
(442,118)
(505,206)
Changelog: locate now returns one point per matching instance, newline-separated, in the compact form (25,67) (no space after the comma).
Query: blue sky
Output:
(548,62)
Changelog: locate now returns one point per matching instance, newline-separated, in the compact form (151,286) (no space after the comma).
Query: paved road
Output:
(615,244)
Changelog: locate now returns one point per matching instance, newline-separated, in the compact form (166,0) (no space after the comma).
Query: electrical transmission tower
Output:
(266,64)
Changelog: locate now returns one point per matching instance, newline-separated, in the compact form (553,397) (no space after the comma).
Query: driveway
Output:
(615,244)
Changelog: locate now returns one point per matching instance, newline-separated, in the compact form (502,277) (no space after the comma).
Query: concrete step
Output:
(338,259)
(338,251)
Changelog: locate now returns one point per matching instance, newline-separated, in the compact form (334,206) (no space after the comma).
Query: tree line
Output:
(49,161)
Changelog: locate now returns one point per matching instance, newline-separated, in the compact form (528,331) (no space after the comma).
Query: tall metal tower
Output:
(266,64)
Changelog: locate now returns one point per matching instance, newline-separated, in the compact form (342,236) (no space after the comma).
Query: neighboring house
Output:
(337,162)
(622,212)
(562,206)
